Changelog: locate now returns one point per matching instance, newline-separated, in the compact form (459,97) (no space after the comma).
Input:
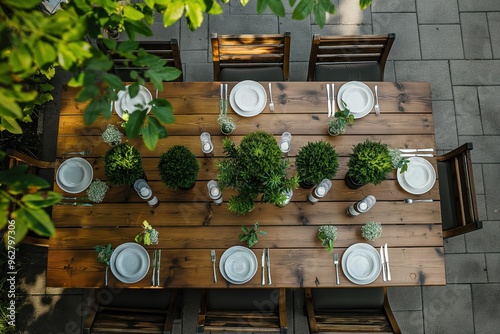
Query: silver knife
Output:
(429,155)
(383,263)
(154,268)
(387,262)
(158,268)
(221,103)
(408,150)
(263,260)
(74,203)
(225,99)
(268,261)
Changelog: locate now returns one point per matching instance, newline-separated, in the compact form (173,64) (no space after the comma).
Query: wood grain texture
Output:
(190,224)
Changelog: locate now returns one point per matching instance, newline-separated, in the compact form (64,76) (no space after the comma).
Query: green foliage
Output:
(398,161)
(28,194)
(328,234)
(371,231)
(123,165)
(104,253)
(251,235)
(316,161)
(253,168)
(337,124)
(369,162)
(148,236)
(178,167)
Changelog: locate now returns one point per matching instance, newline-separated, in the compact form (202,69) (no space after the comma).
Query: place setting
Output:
(74,175)
(361,264)
(126,105)
(130,262)
(419,178)
(238,265)
(357,97)
(248,98)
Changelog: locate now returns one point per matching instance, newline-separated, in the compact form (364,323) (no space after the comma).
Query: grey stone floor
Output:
(455,45)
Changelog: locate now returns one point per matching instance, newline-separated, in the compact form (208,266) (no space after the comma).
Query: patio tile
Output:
(330,19)
(199,72)
(467,111)
(441,42)
(485,152)
(437,11)
(445,125)
(236,8)
(406,45)
(243,24)
(493,265)
(494,25)
(405,298)
(486,308)
(447,309)
(475,72)
(485,239)
(391,6)
(454,245)
(475,36)
(434,71)
(195,56)
(389,73)
(350,13)
(478,6)
(195,40)
(478,178)
(465,268)
(298,71)
(410,321)
(489,99)
(301,38)
(490,173)
(343,29)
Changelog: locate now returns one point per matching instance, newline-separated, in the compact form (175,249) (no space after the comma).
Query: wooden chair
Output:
(43,169)
(457,192)
(348,58)
(349,310)
(144,311)
(251,57)
(243,310)
(165,50)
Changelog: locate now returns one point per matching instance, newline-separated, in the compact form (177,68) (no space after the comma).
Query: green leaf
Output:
(87,93)
(150,136)
(263,232)
(92,112)
(21,231)
(110,43)
(77,80)
(11,125)
(41,199)
(18,181)
(8,106)
(20,59)
(173,12)
(160,129)
(100,62)
(135,122)
(132,13)
(35,219)
(163,110)
(303,9)
(194,14)
(44,53)
(277,7)
(319,15)
(363,4)
(133,89)
(150,3)
(66,58)
(261,6)
(157,76)
(127,47)
(113,81)
(133,27)
(24,4)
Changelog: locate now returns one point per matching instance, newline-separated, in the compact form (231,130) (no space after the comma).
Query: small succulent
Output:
(112,135)
(398,161)
(104,253)
(149,236)
(328,234)
(371,231)
(97,191)
(226,124)
(251,236)
(337,124)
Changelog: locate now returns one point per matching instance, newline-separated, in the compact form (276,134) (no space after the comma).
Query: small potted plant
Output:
(149,236)
(369,162)
(251,235)
(397,161)
(97,191)
(179,168)
(103,256)
(337,124)
(123,165)
(112,135)
(328,234)
(316,161)
(254,168)
(226,124)
(371,231)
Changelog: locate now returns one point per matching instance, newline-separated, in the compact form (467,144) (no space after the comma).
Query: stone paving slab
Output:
(475,36)
(445,125)
(489,99)
(391,6)
(494,27)
(243,24)
(475,72)
(491,174)
(484,240)
(410,322)
(447,309)
(467,110)
(405,298)
(349,12)
(486,308)
(437,11)
(441,41)
(301,38)
(493,265)
(454,245)
(406,45)
(434,71)
(465,268)
(478,6)
(343,29)
(485,152)
(194,40)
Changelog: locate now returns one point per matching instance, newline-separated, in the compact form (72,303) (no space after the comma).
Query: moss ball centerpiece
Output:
(316,161)
(178,168)
(123,165)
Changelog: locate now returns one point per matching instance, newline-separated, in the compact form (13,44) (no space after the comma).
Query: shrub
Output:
(178,167)
(316,161)
(123,165)
(369,162)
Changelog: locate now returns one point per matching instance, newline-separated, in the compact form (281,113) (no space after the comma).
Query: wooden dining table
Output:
(190,224)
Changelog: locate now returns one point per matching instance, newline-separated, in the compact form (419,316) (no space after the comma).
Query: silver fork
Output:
(336,263)
(77,153)
(213,256)
(271,103)
(377,108)
(153,278)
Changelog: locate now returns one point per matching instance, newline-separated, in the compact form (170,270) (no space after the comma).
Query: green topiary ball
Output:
(369,162)
(316,161)
(123,165)
(178,167)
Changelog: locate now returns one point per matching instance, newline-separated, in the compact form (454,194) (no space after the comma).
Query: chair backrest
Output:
(346,58)
(457,192)
(144,311)
(243,310)
(349,310)
(263,57)
(166,50)
(43,169)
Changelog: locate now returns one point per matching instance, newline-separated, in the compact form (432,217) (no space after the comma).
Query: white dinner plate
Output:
(419,178)
(237,249)
(129,262)
(240,266)
(74,175)
(361,263)
(248,98)
(125,102)
(358,98)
